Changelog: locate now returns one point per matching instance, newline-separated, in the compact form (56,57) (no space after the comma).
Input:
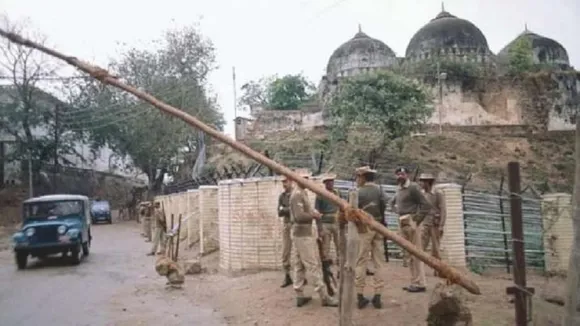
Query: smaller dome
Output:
(545,50)
(359,54)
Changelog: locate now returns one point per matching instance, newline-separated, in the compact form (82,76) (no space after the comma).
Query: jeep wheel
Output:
(21,260)
(110,220)
(86,248)
(76,254)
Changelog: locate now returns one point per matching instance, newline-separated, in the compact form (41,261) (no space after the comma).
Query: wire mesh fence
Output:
(487,226)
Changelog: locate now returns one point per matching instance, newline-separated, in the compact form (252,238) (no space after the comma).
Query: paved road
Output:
(115,285)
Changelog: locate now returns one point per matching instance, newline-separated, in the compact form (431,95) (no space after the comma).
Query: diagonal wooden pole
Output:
(352,214)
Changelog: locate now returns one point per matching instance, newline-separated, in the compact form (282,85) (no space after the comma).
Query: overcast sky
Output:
(264,37)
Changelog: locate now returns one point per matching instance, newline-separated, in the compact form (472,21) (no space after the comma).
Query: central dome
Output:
(446,31)
(360,54)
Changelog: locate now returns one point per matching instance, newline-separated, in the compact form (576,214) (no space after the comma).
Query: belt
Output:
(407,220)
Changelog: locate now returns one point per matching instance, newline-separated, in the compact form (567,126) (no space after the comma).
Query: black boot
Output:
(362,301)
(377,301)
(301,301)
(287,281)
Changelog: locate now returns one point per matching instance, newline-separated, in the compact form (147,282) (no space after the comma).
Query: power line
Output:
(44,78)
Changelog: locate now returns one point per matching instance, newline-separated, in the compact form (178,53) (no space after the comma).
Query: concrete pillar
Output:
(558,231)
(453,242)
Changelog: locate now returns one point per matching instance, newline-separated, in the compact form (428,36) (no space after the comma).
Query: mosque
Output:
(446,38)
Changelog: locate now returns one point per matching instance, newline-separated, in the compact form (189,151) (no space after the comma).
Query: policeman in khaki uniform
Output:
(372,200)
(434,223)
(145,212)
(412,208)
(160,230)
(284,213)
(328,224)
(305,257)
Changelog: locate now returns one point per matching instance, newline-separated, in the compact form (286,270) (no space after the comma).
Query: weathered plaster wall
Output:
(461,107)
(540,102)
(566,101)
(276,121)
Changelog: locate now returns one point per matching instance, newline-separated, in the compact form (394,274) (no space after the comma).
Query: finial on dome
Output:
(442,5)
(526,27)
(359,28)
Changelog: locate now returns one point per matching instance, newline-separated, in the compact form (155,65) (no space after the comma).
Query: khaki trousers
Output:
(371,247)
(330,234)
(286,245)
(430,234)
(306,260)
(159,240)
(147,232)
(412,232)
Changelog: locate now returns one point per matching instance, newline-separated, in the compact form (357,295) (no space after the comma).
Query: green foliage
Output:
(289,92)
(176,73)
(455,71)
(275,93)
(520,56)
(384,104)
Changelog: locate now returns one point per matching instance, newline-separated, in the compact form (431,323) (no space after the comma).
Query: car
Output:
(51,225)
(101,211)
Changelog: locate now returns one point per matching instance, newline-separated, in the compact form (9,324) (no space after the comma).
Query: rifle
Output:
(382,209)
(415,174)
(327,276)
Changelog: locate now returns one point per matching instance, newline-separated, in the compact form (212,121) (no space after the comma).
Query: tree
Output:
(177,74)
(376,109)
(253,95)
(289,92)
(520,56)
(275,93)
(27,111)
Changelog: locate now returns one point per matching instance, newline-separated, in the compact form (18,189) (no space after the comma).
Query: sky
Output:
(261,37)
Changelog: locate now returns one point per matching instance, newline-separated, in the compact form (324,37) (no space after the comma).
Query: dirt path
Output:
(257,299)
(117,285)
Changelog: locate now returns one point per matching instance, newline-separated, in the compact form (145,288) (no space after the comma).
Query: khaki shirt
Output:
(409,199)
(284,206)
(301,213)
(437,214)
(159,218)
(372,200)
(327,208)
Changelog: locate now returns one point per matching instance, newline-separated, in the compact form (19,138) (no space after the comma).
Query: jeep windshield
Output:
(49,210)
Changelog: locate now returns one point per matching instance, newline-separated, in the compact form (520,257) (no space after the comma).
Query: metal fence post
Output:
(503,228)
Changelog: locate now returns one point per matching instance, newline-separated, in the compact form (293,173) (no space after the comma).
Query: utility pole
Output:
(30,183)
(440,76)
(235,94)
(56,145)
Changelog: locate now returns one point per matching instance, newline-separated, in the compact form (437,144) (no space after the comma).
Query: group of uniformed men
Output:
(154,226)
(421,214)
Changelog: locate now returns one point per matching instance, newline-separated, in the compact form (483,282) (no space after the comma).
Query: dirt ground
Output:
(130,292)
(257,299)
